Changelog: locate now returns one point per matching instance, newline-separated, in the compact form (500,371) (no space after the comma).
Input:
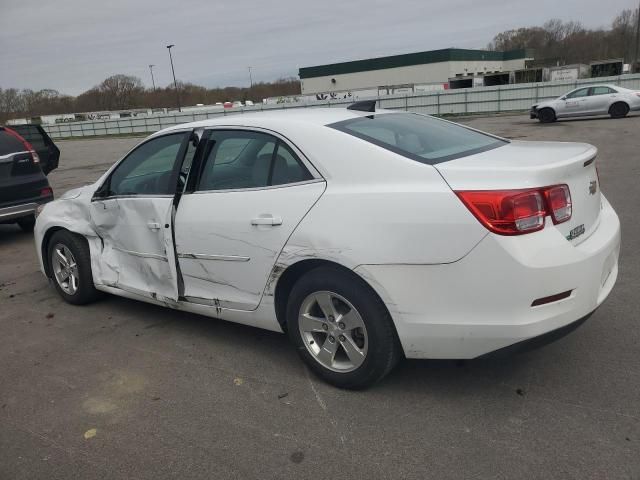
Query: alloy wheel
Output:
(333,331)
(65,269)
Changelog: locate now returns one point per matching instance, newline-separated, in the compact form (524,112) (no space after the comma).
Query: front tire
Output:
(70,267)
(546,115)
(341,328)
(619,110)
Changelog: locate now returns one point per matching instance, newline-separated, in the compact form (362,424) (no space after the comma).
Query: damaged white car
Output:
(367,236)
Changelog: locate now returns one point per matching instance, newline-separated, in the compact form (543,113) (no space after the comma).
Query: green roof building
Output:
(450,65)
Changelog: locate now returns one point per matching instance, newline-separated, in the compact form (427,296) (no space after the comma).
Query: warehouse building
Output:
(448,68)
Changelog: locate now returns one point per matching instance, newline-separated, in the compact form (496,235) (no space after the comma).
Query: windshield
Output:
(419,137)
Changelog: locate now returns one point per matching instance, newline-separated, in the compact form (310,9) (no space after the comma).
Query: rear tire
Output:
(27,223)
(546,115)
(70,266)
(351,341)
(618,110)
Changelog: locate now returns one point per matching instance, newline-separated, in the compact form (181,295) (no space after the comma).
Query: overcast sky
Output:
(72,45)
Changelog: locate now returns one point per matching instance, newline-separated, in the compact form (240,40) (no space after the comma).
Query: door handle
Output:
(153,226)
(266,220)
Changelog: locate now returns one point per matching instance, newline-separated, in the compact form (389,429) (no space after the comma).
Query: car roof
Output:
(277,119)
(610,85)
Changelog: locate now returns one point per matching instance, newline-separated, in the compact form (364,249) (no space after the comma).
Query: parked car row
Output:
(27,155)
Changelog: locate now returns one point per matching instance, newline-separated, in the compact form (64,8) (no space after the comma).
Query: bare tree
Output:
(120,91)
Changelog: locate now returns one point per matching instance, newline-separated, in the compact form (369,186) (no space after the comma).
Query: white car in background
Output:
(586,101)
(366,235)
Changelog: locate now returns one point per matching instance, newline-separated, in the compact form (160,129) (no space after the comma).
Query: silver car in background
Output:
(589,100)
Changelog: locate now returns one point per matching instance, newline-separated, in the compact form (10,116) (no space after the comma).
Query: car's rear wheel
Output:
(27,223)
(70,266)
(618,110)
(546,115)
(341,328)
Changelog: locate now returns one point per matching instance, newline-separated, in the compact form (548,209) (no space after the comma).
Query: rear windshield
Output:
(419,137)
(9,143)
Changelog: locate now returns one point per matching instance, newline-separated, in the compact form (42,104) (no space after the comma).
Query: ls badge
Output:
(593,187)
(576,232)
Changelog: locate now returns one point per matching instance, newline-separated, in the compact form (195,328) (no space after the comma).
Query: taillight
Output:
(27,146)
(46,192)
(559,202)
(515,212)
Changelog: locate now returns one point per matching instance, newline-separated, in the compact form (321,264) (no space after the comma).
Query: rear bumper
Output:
(14,212)
(483,302)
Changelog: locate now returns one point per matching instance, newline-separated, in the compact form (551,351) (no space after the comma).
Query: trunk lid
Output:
(520,165)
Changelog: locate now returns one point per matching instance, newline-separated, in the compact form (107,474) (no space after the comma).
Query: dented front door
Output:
(137,251)
(132,213)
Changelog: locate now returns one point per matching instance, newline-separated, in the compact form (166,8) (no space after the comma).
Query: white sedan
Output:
(367,236)
(587,101)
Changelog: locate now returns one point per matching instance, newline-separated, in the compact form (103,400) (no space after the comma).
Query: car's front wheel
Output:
(70,267)
(619,110)
(341,328)
(546,115)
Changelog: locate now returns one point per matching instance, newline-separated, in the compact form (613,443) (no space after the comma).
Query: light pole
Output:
(250,79)
(152,79)
(175,84)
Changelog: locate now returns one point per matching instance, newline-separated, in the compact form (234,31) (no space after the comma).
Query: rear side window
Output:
(9,143)
(419,137)
(239,159)
(287,167)
(601,91)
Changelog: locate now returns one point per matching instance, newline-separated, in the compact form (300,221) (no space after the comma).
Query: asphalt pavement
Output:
(125,390)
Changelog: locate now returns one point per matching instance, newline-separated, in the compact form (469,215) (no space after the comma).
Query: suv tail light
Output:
(515,212)
(27,146)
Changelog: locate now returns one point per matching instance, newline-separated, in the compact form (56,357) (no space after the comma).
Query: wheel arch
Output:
(618,102)
(44,248)
(548,107)
(292,273)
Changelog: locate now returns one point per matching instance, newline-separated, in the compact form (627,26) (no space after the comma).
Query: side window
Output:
(148,169)
(583,92)
(287,168)
(237,159)
(601,91)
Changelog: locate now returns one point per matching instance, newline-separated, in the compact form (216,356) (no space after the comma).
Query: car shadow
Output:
(267,347)
(561,121)
(11,232)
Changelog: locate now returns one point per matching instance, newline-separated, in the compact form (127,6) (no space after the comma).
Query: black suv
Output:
(25,159)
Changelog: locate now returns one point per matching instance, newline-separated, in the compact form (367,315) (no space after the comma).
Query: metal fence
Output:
(505,98)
